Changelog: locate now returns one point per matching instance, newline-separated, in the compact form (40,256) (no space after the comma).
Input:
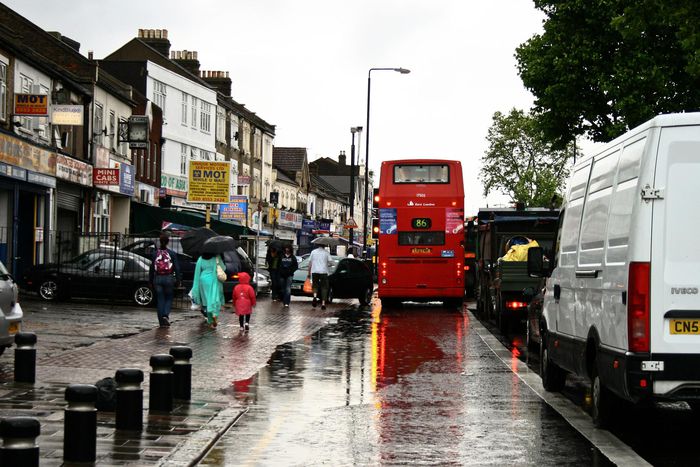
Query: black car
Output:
(235,262)
(348,278)
(104,272)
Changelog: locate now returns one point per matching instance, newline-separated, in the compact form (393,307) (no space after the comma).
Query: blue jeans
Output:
(286,286)
(165,291)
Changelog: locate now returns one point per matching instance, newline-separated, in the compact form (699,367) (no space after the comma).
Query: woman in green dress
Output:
(206,288)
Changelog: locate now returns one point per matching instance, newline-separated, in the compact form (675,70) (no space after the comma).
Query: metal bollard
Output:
(80,424)
(19,445)
(160,396)
(129,410)
(182,372)
(25,357)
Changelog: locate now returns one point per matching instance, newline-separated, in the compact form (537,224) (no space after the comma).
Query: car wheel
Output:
(48,289)
(602,401)
(366,297)
(553,377)
(143,295)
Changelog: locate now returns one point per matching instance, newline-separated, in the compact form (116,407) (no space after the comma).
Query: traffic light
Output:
(375,228)
(375,198)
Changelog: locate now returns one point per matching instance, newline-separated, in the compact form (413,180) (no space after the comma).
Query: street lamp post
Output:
(369,87)
(351,232)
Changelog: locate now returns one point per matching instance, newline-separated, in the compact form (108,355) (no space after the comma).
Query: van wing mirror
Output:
(536,266)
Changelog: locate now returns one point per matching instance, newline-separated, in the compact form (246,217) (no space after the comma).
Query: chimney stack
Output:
(341,158)
(186,59)
(156,38)
(218,79)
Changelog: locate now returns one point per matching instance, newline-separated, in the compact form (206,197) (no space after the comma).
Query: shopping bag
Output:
(308,287)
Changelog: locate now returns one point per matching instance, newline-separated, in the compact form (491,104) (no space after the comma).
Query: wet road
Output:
(415,385)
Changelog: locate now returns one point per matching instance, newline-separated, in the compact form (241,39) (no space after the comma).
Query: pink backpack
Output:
(163,263)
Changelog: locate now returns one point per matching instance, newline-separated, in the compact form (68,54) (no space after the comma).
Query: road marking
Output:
(610,445)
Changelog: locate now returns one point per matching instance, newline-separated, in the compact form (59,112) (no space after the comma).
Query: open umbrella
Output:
(193,240)
(219,244)
(326,241)
(276,244)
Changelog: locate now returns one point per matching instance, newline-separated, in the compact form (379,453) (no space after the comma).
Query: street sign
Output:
(350,224)
(237,208)
(209,182)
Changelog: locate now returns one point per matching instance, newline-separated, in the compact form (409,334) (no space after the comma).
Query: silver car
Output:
(10,311)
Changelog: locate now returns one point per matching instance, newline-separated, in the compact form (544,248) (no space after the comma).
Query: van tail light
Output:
(638,307)
(515,305)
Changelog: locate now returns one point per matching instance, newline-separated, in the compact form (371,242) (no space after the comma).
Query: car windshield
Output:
(87,258)
(4,274)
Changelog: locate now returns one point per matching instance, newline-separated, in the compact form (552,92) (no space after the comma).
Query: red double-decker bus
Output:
(421,231)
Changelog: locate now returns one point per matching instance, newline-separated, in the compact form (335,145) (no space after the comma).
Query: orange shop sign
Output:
(105,176)
(32,104)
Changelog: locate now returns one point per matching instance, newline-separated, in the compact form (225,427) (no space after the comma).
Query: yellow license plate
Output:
(13,328)
(685,326)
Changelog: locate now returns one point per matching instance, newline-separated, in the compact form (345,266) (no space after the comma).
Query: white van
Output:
(622,305)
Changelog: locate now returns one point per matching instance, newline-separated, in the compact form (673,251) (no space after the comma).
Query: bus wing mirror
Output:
(536,266)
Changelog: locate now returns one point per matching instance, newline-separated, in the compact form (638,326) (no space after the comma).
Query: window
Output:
(159,94)
(3,91)
(221,125)
(185,107)
(421,174)
(112,131)
(98,124)
(183,159)
(101,213)
(205,117)
(422,238)
(123,146)
(26,84)
(193,122)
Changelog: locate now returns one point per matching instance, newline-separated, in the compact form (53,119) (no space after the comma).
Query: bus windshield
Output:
(413,173)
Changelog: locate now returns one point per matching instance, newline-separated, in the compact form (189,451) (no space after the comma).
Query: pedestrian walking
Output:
(164,275)
(288,264)
(319,261)
(272,260)
(244,300)
(207,290)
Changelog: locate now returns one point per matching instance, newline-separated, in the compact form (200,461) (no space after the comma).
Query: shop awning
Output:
(146,218)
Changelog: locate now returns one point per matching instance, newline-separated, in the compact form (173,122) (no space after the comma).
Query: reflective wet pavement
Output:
(415,385)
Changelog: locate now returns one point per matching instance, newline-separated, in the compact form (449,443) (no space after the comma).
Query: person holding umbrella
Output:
(209,276)
(164,274)
(318,270)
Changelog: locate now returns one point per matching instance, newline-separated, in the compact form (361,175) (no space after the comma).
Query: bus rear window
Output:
(422,238)
(413,173)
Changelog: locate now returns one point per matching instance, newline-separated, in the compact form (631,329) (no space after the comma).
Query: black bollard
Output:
(161,382)
(129,410)
(80,424)
(19,445)
(25,357)
(182,372)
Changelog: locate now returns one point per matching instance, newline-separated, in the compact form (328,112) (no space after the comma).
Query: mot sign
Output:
(32,104)
(209,182)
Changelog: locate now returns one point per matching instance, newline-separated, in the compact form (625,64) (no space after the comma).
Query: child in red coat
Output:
(244,300)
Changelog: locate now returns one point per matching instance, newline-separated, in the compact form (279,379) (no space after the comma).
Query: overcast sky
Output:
(302,65)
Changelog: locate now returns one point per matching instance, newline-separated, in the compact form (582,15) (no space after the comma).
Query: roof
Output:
(289,159)
(283,177)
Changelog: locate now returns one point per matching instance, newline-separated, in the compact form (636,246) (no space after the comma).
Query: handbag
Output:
(308,286)
(220,273)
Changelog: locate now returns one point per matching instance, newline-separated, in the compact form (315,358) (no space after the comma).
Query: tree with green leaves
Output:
(521,163)
(602,67)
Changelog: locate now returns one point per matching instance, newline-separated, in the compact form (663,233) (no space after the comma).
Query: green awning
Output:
(146,218)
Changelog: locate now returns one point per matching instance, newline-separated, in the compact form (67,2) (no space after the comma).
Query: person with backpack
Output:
(287,265)
(164,275)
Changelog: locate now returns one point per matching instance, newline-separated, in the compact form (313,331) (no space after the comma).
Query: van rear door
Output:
(675,247)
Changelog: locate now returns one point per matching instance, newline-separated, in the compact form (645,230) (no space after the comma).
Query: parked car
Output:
(10,310)
(263,282)
(104,272)
(235,262)
(348,278)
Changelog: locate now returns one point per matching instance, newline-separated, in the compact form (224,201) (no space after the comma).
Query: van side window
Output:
(572,220)
(623,201)
(595,215)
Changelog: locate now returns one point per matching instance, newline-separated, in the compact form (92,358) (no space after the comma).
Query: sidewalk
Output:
(221,357)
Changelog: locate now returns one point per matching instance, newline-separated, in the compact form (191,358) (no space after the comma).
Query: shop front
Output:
(26,187)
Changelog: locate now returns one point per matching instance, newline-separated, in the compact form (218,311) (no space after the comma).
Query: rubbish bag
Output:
(106,395)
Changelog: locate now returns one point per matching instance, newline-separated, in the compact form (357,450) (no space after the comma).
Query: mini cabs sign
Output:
(209,182)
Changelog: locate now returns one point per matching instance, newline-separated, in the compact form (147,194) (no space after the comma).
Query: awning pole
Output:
(207,220)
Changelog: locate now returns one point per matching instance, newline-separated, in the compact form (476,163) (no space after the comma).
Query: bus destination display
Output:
(421,223)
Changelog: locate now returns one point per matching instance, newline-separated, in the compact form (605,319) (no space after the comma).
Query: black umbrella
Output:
(219,244)
(276,244)
(193,240)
